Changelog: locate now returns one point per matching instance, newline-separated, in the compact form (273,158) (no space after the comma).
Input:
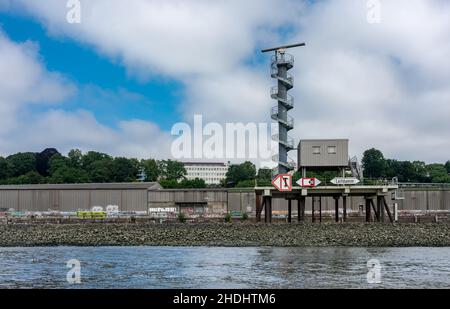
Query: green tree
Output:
(241,172)
(193,184)
(91,157)
(420,169)
(264,177)
(5,171)
(57,162)
(22,163)
(43,160)
(250,184)
(123,170)
(170,184)
(438,173)
(374,163)
(100,171)
(447,166)
(76,158)
(172,170)
(151,169)
(30,178)
(69,174)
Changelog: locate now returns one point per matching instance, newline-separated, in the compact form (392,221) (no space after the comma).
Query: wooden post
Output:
(388,210)
(320,209)
(266,209)
(344,205)
(289,210)
(336,206)
(313,209)
(368,205)
(377,214)
(302,207)
(259,207)
(380,207)
(269,203)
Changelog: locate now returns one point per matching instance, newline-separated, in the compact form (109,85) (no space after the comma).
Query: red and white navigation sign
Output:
(308,182)
(283,183)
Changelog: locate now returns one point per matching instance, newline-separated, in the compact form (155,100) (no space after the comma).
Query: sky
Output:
(121,78)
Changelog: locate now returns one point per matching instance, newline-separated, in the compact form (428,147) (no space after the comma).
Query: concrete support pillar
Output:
(313,210)
(268,209)
(368,209)
(289,210)
(336,208)
(380,208)
(301,208)
(320,209)
(258,207)
(344,205)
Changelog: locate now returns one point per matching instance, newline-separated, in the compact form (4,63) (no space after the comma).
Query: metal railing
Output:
(290,164)
(283,58)
(289,143)
(424,185)
(288,122)
(288,80)
(288,102)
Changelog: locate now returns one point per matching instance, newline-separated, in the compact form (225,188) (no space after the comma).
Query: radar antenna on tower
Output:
(281,64)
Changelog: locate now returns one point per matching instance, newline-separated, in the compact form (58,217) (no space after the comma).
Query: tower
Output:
(280,66)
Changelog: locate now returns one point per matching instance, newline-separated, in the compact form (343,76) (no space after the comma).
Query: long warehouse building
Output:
(145,197)
(73,197)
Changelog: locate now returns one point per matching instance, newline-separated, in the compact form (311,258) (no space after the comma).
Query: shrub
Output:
(244,216)
(228,218)
(182,217)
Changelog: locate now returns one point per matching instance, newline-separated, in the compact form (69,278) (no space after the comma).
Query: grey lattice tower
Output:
(281,64)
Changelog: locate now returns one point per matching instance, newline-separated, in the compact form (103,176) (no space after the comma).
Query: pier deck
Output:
(375,197)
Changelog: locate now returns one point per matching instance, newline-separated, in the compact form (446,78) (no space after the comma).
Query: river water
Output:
(204,267)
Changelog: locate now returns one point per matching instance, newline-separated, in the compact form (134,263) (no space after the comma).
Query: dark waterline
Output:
(181,267)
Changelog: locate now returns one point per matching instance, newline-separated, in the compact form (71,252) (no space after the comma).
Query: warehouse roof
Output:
(87,186)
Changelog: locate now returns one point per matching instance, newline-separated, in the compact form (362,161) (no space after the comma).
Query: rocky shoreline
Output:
(227,235)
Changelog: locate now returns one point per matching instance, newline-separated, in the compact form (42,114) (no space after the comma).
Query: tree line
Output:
(376,166)
(51,167)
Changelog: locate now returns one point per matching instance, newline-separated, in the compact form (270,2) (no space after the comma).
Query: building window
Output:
(316,149)
(332,150)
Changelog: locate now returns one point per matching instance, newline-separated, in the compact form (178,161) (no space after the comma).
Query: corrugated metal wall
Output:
(72,200)
(217,200)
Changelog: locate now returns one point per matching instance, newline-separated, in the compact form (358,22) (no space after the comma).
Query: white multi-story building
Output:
(211,173)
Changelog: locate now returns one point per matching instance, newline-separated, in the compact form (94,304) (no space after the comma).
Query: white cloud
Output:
(26,83)
(381,85)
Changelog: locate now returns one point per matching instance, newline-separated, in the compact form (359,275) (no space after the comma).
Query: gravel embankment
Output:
(230,235)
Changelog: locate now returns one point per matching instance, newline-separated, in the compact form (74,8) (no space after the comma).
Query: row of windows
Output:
(207,174)
(209,179)
(206,169)
(318,150)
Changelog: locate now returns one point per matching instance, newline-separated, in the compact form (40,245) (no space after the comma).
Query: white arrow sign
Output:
(283,183)
(345,181)
(309,182)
